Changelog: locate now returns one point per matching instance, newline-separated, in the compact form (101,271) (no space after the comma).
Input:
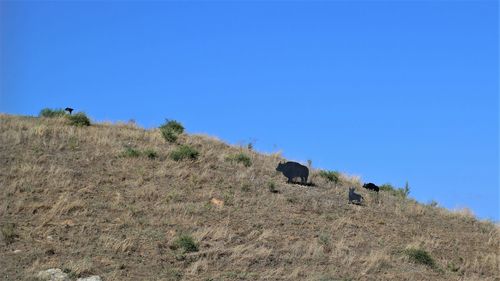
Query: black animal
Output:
(355,198)
(371,186)
(294,170)
(68,109)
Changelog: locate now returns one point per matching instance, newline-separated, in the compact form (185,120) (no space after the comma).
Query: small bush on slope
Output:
(80,119)
(272,187)
(331,176)
(240,158)
(131,152)
(151,154)
(50,113)
(184,152)
(186,243)
(420,256)
(398,192)
(171,130)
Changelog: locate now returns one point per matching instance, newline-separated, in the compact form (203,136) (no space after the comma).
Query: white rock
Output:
(17,251)
(53,274)
(91,278)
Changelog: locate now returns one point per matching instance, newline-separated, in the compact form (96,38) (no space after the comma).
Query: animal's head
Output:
(365,185)
(351,189)
(280,167)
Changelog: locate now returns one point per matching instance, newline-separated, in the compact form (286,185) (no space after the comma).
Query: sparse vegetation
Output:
(73,143)
(433,203)
(151,154)
(63,186)
(172,274)
(184,152)
(453,267)
(331,176)
(8,233)
(169,135)
(240,158)
(174,126)
(79,119)
(324,239)
(186,243)
(398,192)
(245,187)
(131,152)
(71,273)
(134,153)
(171,130)
(51,113)
(331,278)
(272,187)
(420,256)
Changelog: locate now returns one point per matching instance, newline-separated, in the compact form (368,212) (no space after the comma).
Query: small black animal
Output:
(294,170)
(355,198)
(68,109)
(371,186)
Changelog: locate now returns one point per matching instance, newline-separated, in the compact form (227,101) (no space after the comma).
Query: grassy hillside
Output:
(110,200)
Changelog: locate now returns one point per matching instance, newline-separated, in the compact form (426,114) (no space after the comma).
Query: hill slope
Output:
(79,199)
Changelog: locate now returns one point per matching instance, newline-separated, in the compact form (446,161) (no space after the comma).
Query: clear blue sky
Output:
(391,91)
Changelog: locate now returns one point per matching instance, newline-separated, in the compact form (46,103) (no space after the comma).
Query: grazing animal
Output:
(68,109)
(293,170)
(354,198)
(371,186)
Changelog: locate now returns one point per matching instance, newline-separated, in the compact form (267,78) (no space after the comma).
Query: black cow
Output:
(371,186)
(69,109)
(354,197)
(294,170)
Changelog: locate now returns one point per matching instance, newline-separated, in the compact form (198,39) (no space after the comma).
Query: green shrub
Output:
(186,243)
(420,256)
(240,158)
(169,135)
(184,152)
(174,126)
(387,187)
(131,152)
(331,176)
(79,119)
(50,113)
(171,130)
(398,192)
(151,154)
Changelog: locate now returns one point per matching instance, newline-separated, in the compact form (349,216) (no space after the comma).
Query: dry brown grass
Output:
(75,203)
